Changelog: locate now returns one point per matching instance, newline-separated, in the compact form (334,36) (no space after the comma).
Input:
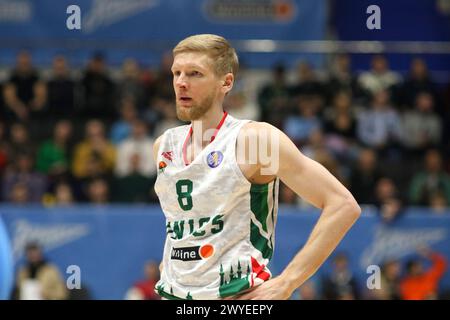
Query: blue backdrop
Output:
(112,244)
(145,28)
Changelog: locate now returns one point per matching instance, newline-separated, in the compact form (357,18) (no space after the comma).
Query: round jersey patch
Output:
(214,159)
(206,251)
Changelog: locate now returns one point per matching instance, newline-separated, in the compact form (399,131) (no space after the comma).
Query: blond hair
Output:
(220,51)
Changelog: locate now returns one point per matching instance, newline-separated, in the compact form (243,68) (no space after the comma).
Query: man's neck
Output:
(205,127)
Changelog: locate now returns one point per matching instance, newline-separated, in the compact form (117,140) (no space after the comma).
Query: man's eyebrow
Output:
(190,65)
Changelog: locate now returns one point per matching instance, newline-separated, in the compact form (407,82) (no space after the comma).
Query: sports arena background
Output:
(80,109)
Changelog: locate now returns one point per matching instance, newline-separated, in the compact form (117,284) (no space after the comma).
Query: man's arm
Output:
(315,184)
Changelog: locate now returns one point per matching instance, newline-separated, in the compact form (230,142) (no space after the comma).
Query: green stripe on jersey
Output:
(258,203)
(260,208)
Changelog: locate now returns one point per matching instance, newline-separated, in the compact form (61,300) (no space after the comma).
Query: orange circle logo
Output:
(206,251)
(162,165)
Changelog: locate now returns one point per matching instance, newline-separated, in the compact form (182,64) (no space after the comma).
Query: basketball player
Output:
(221,204)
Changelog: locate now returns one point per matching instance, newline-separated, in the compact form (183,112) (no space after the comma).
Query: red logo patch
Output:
(168,155)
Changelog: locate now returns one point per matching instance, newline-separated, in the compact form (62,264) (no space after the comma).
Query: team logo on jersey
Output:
(214,159)
(192,253)
(168,155)
(162,165)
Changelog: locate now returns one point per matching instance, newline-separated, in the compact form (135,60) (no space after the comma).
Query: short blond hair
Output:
(223,55)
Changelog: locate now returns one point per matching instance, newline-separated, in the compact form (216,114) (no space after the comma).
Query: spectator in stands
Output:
(121,129)
(94,150)
(388,199)
(24,94)
(274,97)
(39,279)
(340,126)
(308,85)
(22,173)
(364,177)
(379,126)
(421,127)
(300,127)
(417,81)
(19,194)
(98,90)
(138,143)
(421,284)
(385,189)
(131,86)
(144,289)
(63,194)
(341,79)
(53,155)
(61,90)
(439,204)
(98,191)
(390,281)
(431,180)
(134,186)
(379,78)
(20,141)
(340,284)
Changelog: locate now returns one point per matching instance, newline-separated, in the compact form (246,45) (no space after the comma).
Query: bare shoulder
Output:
(258,131)
(262,133)
(253,127)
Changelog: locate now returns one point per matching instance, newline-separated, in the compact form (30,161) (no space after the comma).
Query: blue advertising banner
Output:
(111,244)
(144,28)
(401,20)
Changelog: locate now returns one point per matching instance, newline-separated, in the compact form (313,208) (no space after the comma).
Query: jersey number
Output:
(184,190)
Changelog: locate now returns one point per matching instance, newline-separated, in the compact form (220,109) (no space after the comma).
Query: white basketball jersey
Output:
(219,226)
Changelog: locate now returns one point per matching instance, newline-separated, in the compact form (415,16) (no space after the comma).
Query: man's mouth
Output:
(185,101)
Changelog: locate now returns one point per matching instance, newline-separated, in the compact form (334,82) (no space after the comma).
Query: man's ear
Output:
(228,82)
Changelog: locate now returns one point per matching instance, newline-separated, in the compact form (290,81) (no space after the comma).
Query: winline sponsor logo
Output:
(192,253)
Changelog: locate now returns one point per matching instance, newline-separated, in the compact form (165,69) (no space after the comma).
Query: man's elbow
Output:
(352,208)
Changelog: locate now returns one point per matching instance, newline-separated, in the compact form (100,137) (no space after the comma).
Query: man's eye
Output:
(176,73)
(196,73)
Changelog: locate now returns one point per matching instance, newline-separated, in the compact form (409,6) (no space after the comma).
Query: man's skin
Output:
(200,92)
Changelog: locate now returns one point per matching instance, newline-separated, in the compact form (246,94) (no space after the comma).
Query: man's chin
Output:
(184,114)
(194,112)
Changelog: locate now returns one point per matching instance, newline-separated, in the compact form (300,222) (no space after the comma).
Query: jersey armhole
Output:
(237,170)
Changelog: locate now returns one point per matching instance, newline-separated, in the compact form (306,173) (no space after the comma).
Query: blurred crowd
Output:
(416,279)
(72,135)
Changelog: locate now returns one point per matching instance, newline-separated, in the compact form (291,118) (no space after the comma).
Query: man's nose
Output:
(181,81)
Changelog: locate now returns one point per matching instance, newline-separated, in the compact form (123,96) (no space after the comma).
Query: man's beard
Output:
(195,111)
